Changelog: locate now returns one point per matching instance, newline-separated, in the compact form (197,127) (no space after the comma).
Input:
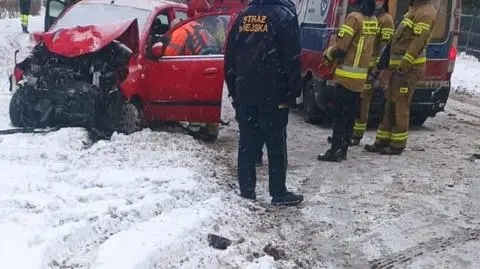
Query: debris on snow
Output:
(218,242)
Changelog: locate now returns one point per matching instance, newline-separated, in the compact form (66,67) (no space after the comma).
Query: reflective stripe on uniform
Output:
(396,59)
(407,22)
(419,27)
(359,51)
(387,33)
(382,134)
(24,19)
(351,72)
(370,27)
(346,29)
(360,126)
(399,137)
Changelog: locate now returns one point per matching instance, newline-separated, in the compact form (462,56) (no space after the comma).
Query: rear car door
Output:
(188,87)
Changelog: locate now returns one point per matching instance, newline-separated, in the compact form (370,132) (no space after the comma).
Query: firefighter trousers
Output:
(24,11)
(393,131)
(262,124)
(361,122)
(344,113)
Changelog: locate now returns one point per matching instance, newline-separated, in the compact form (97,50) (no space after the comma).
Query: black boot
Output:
(250,195)
(376,147)
(391,151)
(287,199)
(24,29)
(333,155)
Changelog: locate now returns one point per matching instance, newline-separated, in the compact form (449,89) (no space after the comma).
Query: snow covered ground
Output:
(136,202)
(149,200)
(466,77)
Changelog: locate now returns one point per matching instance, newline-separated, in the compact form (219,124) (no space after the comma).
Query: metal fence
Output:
(469,39)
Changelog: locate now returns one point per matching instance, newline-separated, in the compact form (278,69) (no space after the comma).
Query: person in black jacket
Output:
(262,67)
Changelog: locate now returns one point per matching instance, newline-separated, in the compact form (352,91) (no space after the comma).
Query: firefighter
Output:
(407,62)
(352,53)
(24,14)
(191,39)
(262,67)
(384,36)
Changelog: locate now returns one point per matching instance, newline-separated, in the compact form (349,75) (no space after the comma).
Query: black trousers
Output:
(345,111)
(25,7)
(259,125)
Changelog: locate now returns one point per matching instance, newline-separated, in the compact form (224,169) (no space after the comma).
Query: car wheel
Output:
(16,106)
(311,111)
(131,119)
(418,120)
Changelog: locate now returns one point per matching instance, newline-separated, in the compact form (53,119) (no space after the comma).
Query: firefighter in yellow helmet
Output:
(407,62)
(384,36)
(352,52)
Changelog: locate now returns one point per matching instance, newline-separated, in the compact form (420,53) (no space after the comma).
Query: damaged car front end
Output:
(72,78)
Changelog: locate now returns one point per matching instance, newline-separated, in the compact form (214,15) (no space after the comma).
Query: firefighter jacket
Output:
(262,57)
(355,40)
(409,43)
(385,34)
(191,39)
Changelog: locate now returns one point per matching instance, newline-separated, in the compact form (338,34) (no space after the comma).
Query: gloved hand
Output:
(373,76)
(403,68)
(328,55)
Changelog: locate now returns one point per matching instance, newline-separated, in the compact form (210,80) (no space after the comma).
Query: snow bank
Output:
(142,201)
(466,76)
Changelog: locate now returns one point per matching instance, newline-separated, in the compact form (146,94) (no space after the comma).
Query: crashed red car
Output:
(101,66)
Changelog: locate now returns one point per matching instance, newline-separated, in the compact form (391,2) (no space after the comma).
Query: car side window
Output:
(202,36)
(182,15)
(160,25)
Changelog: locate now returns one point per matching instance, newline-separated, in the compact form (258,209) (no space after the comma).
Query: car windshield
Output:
(94,14)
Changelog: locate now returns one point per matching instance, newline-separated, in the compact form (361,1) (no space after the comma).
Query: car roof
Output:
(142,4)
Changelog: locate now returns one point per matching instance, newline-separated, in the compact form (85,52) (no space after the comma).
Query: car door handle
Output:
(210,71)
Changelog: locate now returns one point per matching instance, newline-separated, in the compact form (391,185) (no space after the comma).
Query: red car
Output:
(101,66)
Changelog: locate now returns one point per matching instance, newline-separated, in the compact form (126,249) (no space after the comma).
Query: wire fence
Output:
(469,39)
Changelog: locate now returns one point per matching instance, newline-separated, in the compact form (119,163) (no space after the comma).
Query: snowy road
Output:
(418,210)
(149,200)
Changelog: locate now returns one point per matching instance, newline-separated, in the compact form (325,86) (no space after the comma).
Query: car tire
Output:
(418,120)
(16,107)
(310,109)
(131,119)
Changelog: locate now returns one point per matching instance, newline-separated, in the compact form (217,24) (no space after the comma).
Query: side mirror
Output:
(37,36)
(157,50)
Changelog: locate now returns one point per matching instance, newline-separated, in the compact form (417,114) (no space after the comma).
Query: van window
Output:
(442,24)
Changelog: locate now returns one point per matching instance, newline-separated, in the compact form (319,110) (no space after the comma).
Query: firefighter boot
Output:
(391,151)
(377,146)
(337,151)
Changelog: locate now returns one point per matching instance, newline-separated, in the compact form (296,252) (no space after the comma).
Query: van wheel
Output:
(131,119)
(311,112)
(418,120)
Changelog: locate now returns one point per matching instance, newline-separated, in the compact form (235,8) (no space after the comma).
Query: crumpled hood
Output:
(82,40)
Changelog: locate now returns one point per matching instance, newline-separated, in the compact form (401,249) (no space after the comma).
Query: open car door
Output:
(54,8)
(188,87)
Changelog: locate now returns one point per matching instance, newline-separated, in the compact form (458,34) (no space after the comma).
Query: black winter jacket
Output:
(262,57)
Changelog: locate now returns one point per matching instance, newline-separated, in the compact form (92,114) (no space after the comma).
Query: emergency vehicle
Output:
(319,21)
